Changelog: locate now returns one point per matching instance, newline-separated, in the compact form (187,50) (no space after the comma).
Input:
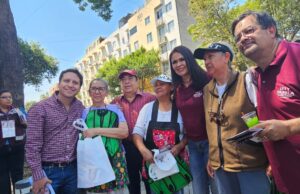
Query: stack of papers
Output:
(249,134)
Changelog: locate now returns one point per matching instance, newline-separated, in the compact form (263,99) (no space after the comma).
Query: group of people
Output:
(195,109)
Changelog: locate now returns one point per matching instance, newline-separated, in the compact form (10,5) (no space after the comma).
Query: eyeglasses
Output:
(6,97)
(245,32)
(99,89)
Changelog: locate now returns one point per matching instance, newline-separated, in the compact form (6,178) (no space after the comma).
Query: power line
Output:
(33,12)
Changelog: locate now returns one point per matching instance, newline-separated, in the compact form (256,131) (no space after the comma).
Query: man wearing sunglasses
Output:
(278,96)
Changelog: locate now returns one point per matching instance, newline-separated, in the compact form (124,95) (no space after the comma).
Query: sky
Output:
(63,30)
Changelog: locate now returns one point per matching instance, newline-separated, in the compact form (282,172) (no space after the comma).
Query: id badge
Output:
(8,129)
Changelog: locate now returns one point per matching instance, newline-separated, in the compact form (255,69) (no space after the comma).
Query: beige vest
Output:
(232,157)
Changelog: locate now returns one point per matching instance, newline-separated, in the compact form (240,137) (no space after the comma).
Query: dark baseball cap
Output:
(199,52)
(127,72)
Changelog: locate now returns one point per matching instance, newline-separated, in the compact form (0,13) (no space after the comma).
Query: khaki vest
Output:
(231,157)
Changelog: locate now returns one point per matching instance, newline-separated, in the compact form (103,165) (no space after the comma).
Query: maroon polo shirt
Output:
(279,98)
(190,104)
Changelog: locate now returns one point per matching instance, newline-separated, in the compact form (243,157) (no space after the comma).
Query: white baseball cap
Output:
(161,77)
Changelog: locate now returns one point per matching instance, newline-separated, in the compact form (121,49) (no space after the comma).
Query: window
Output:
(132,31)
(136,45)
(159,14)
(164,48)
(149,37)
(161,31)
(173,44)
(169,7)
(123,40)
(165,67)
(147,20)
(171,26)
(97,56)
(125,52)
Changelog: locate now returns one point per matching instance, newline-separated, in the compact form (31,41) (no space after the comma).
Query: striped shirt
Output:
(131,109)
(50,134)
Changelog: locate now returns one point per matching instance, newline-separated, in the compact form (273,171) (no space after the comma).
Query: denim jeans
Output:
(202,184)
(245,182)
(64,179)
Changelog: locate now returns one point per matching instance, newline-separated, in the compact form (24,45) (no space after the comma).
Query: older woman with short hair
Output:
(108,121)
(237,168)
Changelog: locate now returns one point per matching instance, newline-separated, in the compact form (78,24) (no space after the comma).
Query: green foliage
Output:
(146,63)
(286,13)
(101,7)
(214,18)
(37,64)
(44,96)
(29,104)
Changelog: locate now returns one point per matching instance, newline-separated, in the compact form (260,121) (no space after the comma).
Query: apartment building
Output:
(159,24)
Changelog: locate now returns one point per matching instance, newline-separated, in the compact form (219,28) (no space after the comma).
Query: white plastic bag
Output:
(94,167)
(164,165)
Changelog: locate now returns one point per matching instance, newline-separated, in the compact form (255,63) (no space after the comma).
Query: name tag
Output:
(8,129)
(19,138)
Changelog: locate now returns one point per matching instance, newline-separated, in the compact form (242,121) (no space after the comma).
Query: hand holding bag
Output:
(94,167)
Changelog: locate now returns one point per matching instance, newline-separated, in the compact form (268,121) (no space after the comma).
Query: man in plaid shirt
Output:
(51,138)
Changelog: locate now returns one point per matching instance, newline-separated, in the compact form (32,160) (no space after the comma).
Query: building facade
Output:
(159,24)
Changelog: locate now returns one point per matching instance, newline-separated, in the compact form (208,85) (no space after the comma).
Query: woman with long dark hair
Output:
(189,79)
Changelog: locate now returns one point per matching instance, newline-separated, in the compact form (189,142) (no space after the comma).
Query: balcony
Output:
(160,22)
(164,57)
(163,40)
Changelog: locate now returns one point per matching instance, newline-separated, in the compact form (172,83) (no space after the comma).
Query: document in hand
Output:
(249,134)
(164,165)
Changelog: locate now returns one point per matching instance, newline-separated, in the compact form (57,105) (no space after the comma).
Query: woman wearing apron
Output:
(160,126)
(108,121)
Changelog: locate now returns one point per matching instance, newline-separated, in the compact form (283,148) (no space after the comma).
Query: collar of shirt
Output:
(55,97)
(138,93)
(280,55)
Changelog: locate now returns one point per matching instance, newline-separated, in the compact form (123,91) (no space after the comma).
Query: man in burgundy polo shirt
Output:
(51,138)
(131,102)
(278,81)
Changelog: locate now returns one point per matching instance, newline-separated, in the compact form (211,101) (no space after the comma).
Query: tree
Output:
(37,64)
(286,13)
(146,63)
(29,104)
(11,64)
(102,7)
(214,18)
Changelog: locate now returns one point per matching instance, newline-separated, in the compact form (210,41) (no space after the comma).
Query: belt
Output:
(58,164)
